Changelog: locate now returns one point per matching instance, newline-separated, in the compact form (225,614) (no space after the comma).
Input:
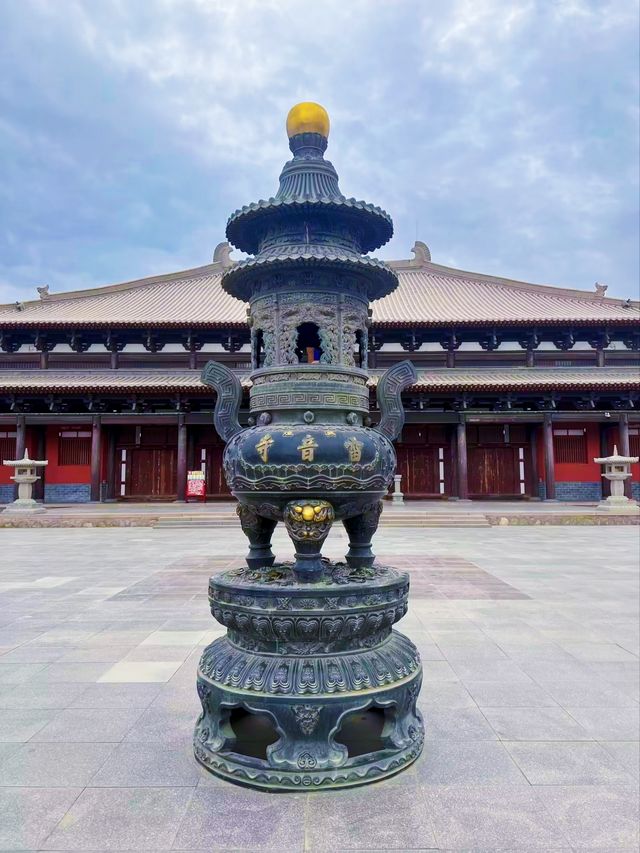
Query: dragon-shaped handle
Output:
(228,398)
(390,387)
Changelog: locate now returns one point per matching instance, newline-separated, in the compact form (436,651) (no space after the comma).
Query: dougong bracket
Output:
(228,398)
(390,387)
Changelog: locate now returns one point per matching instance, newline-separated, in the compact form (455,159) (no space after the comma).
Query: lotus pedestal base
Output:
(310,689)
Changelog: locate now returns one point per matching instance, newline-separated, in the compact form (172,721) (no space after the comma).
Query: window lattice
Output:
(74,447)
(7,445)
(570,446)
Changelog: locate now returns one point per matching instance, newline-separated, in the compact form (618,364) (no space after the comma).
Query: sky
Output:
(502,133)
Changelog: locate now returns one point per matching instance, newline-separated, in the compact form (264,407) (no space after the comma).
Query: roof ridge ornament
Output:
(421,254)
(600,289)
(221,255)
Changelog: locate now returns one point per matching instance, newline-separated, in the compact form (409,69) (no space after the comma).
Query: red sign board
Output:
(196,485)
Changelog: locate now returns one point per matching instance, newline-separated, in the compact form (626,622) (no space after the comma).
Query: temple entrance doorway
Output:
(423,461)
(208,458)
(146,463)
(498,461)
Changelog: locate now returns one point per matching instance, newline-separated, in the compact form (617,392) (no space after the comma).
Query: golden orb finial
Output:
(307,117)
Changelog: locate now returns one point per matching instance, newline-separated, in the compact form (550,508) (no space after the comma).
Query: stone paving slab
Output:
(529,637)
(419,513)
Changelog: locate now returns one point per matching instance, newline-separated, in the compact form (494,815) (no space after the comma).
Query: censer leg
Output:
(360,529)
(308,524)
(258,531)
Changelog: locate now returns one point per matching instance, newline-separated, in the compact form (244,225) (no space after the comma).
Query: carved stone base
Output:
(316,663)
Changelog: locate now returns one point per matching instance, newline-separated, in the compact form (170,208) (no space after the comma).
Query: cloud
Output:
(503,135)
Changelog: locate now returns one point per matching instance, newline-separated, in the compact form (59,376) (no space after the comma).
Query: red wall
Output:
(5,472)
(633,431)
(63,473)
(587,472)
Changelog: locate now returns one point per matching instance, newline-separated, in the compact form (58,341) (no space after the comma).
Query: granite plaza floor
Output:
(529,643)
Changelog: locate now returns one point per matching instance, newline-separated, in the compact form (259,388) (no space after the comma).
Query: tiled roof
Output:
(192,298)
(440,379)
(434,295)
(428,295)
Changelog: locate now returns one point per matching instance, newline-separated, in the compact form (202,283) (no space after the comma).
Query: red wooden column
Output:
(604,451)
(111,464)
(21,442)
(533,459)
(21,436)
(461,445)
(181,468)
(40,453)
(623,445)
(96,456)
(549,459)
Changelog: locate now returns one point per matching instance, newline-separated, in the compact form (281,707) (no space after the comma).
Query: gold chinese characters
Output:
(307,448)
(354,449)
(262,447)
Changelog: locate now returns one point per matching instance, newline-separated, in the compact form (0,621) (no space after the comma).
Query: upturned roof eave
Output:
(501,322)
(124,324)
(411,265)
(560,379)
(497,322)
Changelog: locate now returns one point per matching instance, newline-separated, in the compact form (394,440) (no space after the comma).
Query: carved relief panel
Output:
(341,323)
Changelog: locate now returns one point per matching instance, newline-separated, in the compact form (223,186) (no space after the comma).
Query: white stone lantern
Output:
(25,476)
(617,469)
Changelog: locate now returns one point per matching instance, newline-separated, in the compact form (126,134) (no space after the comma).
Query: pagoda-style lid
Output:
(616,459)
(25,462)
(309,185)
(381,280)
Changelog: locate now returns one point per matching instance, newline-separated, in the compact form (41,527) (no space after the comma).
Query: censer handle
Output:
(390,387)
(228,398)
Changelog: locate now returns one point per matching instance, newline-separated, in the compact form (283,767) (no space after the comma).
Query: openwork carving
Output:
(353,320)
(297,312)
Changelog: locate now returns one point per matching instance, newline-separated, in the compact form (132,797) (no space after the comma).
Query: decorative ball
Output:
(352,419)
(309,417)
(264,419)
(307,117)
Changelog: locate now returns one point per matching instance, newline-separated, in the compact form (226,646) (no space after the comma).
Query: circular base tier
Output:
(288,741)
(311,689)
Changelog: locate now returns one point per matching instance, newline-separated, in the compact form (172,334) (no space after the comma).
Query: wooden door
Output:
(151,473)
(216,483)
(420,470)
(494,471)
(208,458)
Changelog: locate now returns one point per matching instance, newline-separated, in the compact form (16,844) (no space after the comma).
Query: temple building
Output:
(519,385)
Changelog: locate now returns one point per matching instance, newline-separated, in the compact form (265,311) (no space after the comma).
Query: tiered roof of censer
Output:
(309,222)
